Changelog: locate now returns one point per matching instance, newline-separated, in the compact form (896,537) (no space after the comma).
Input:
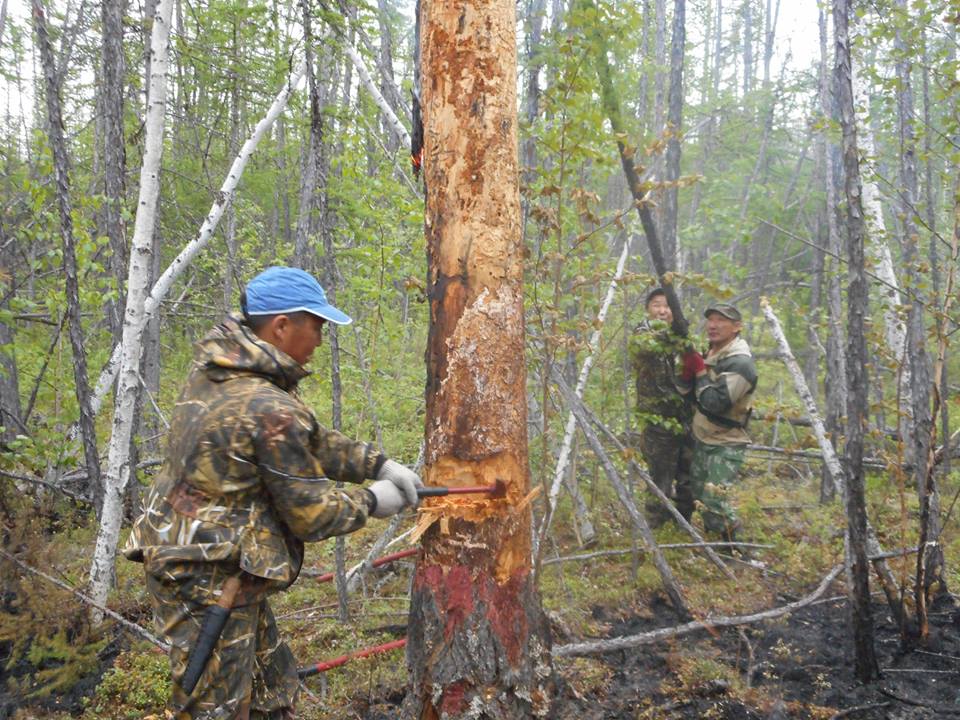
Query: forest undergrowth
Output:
(54,665)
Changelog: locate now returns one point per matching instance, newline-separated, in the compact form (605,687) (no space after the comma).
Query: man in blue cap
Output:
(249,476)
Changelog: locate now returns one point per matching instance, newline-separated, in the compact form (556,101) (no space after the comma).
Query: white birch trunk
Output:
(186,256)
(571,427)
(138,282)
(371,87)
(895,330)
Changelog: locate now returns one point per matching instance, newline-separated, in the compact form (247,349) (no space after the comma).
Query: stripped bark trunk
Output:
(639,523)
(747,47)
(866,665)
(61,171)
(110,90)
(189,252)
(118,461)
(478,639)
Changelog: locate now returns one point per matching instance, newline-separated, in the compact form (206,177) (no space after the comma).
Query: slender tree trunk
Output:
(386,68)
(747,47)
(61,171)
(921,428)
(671,244)
(111,84)
(834,383)
(230,231)
(867,667)
(11,413)
(478,640)
(118,464)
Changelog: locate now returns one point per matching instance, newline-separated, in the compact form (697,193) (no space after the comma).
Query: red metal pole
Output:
(321,667)
(386,559)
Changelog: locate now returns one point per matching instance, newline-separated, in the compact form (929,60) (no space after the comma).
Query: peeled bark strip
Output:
(479,643)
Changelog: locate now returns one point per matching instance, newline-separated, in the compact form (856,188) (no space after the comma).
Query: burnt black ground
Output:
(800,666)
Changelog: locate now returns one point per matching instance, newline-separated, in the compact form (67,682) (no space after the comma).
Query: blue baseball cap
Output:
(283,290)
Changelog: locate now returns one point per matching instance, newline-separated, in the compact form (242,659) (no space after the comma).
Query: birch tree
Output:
(138,286)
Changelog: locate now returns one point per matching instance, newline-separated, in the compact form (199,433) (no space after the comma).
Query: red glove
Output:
(693,365)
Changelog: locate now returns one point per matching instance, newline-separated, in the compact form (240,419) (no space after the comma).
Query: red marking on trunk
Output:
(452,592)
(459,598)
(454,700)
(506,613)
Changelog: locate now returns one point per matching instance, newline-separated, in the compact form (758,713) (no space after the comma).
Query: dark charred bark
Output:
(110,88)
(867,668)
(478,640)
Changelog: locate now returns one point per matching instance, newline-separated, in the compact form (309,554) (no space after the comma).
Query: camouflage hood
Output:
(232,348)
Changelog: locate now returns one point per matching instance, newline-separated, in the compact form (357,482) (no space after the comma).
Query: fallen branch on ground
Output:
(133,627)
(654,636)
(630,551)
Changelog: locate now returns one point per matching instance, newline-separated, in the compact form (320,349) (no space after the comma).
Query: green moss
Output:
(137,684)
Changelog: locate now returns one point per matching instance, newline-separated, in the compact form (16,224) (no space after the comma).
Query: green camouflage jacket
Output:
(653,352)
(248,475)
(724,395)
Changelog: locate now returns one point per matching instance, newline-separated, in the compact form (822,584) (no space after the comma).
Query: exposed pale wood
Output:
(478,638)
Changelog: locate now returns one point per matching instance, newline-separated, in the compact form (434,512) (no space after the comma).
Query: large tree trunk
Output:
(138,287)
(867,668)
(61,171)
(478,639)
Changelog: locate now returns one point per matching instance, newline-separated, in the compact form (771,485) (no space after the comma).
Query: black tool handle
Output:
(214,618)
(432,491)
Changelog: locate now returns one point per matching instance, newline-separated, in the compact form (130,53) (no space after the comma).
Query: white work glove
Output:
(405,480)
(388,497)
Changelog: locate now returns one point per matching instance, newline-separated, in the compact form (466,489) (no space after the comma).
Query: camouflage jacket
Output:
(658,397)
(248,475)
(724,395)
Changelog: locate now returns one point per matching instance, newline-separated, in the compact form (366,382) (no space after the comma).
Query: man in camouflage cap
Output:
(248,478)
(665,440)
(722,387)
